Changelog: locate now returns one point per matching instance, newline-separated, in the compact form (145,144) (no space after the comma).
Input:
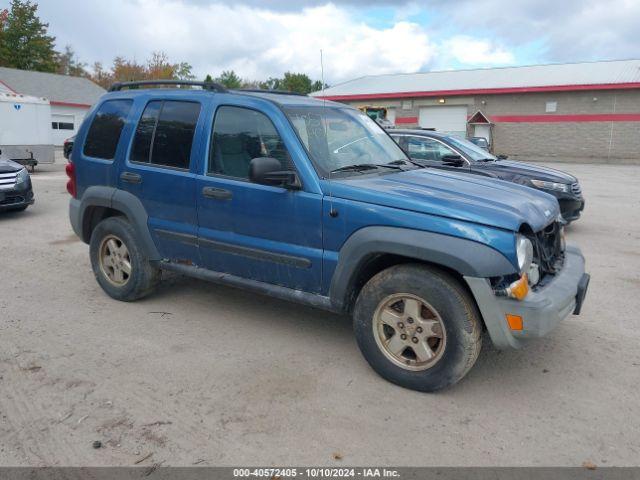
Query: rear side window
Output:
(164,135)
(104,132)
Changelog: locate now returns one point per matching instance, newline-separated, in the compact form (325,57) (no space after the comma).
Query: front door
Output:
(257,232)
(158,171)
(430,151)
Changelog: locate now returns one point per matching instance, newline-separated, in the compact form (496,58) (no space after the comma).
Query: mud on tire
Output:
(106,242)
(442,303)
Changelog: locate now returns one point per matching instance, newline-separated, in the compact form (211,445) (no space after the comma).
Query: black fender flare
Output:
(467,257)
(129,205)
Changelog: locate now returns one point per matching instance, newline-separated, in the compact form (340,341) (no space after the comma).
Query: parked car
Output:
(16,192)
(448,152)
(67,147)
(312,202)
(480,142)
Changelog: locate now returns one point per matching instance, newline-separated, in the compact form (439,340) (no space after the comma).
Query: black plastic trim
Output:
(466,257)
(180,237)
(277,291)
(255,253)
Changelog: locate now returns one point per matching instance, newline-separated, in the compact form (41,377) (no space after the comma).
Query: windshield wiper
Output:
(407,162)
(486,160)
(359,167)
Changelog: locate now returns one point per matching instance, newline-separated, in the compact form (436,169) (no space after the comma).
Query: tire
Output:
(140,280)
(446,312)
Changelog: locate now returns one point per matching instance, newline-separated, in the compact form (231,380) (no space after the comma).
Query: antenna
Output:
(332,213)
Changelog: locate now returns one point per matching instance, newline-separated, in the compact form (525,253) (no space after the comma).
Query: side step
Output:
(283,293)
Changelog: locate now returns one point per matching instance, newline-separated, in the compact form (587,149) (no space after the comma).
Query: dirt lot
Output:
(204,374)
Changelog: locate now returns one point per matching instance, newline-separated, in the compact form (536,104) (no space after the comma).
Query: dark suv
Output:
(313,202)
(449,152)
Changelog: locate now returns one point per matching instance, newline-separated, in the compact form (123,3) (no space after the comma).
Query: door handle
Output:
(217,193)
(130,177)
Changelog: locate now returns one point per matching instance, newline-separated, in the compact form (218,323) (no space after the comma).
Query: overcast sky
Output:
(265,38)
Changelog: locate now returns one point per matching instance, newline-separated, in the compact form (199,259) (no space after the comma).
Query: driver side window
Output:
(240,135)
(423,148)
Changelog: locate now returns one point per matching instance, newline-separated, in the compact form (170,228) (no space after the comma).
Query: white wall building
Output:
(70,97)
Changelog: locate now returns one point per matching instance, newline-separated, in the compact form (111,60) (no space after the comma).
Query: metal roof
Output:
(60,89)
(568,76)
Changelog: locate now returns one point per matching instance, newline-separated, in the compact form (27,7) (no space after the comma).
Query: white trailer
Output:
(25,129)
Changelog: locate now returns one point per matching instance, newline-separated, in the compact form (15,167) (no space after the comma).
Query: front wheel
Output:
(418,327)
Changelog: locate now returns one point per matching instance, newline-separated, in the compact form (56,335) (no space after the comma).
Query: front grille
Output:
(575,189)
(12,200)
(8,180)
(547,248)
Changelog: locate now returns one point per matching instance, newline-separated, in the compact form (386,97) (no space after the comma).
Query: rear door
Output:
(159,170)
(258,232)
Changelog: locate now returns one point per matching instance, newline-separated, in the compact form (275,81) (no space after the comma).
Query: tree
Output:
(296,82)
(271,83)
(68,64)
(208,79)
(183,71)
(25,43)
(229,79)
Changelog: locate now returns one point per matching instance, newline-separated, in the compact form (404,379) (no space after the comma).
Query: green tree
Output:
(229,79)
(208,78)
(25,43)
(297,82)
(271,83)
(68,64)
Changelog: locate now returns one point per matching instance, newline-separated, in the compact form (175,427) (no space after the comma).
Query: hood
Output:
(9,166)
(460,196)
(510,169)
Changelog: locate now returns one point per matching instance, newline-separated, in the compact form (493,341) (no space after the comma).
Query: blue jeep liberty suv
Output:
(311,201)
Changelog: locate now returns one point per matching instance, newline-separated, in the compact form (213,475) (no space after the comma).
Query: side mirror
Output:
(453,160)
(502,157)
(268,171)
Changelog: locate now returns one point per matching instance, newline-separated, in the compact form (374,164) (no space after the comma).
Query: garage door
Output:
(64,126)
(452,120)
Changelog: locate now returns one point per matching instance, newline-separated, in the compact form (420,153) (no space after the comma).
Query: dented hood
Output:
(458,196)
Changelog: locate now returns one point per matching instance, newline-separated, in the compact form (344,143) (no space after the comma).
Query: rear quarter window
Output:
(106,128)
(164,135)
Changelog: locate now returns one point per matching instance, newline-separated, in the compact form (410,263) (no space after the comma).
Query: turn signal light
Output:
(520,288)
(514,321)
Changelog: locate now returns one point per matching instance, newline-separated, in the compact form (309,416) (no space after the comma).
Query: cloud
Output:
(472,51)
(571,30)
(255,42)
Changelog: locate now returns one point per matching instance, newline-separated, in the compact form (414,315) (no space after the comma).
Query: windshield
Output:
(470,149)
(342,137)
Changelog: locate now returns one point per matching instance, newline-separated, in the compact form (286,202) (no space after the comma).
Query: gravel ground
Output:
(199,373)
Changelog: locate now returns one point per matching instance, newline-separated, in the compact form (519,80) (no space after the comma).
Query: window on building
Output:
(164,135)
(106,127)
(551,107)
(240,135)
(62,125)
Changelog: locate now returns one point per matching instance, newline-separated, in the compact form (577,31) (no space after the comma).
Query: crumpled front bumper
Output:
(541,310)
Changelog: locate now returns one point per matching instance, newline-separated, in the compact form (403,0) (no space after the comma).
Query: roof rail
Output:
(216,87)
(277,92)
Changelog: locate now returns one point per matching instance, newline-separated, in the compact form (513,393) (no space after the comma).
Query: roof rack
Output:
(277,92)
(216,87)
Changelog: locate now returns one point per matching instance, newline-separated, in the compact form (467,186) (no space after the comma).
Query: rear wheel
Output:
(417,327)
(118,263)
